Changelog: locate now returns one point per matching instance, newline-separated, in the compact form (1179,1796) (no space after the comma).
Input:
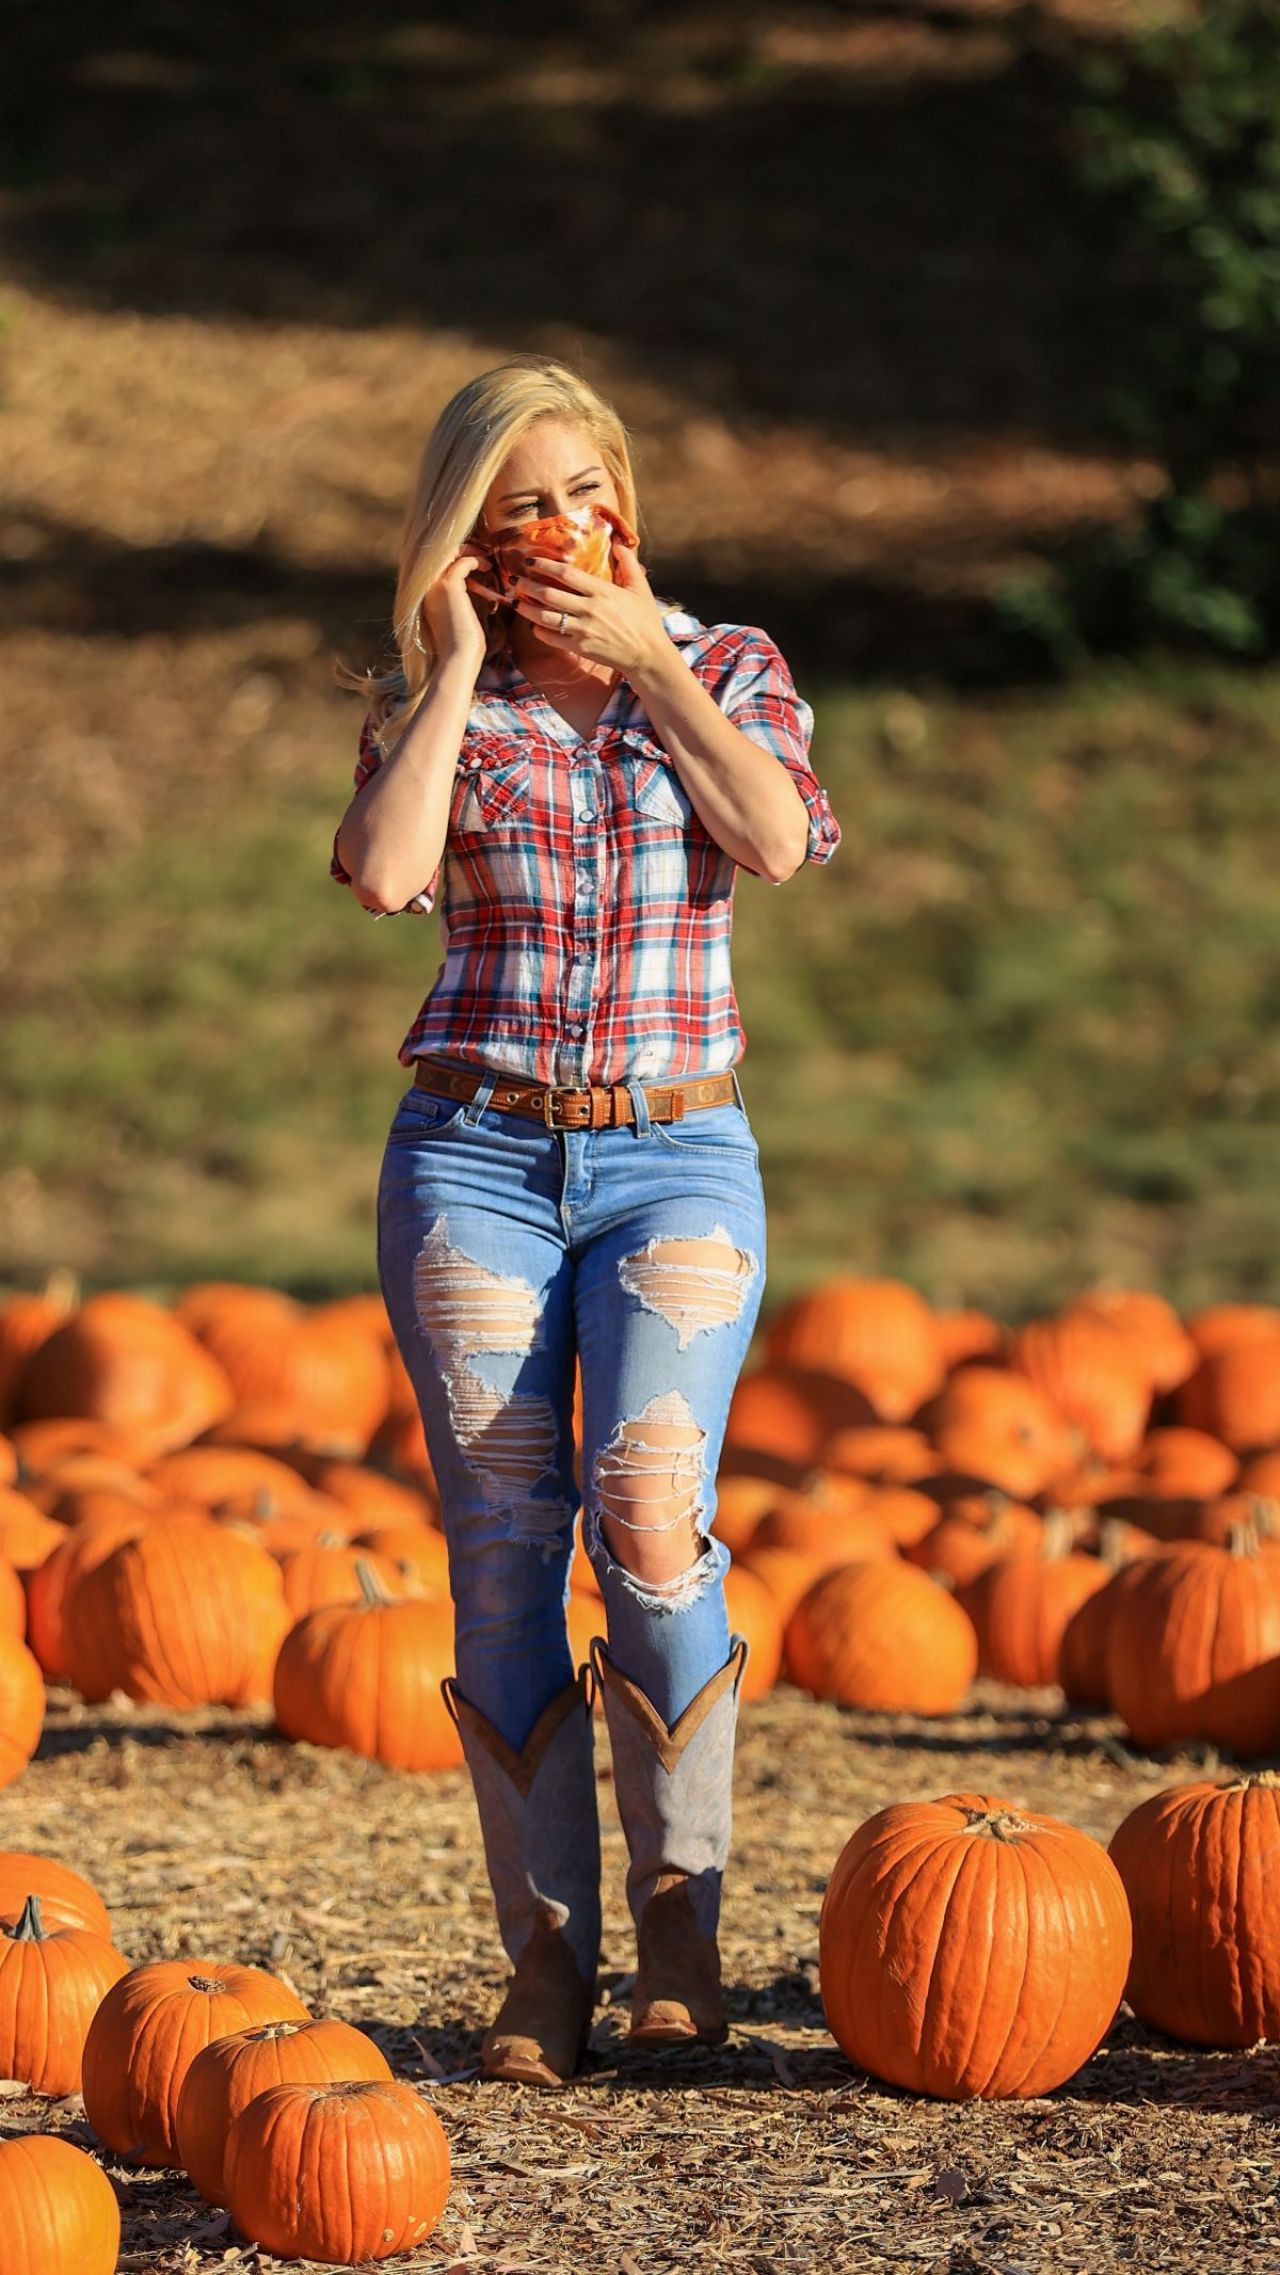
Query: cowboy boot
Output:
(542,1847)
(674,1789)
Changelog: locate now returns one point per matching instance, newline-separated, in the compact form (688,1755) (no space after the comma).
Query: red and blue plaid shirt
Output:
(587,910)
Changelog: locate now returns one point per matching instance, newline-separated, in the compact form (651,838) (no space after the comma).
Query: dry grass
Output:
(365,1887)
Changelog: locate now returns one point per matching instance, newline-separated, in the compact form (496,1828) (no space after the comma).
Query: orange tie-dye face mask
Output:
(583,537)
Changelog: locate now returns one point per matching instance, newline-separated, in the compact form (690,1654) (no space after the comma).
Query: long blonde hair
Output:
(466,449)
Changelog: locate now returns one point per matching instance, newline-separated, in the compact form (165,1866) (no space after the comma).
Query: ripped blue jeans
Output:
(505,1249)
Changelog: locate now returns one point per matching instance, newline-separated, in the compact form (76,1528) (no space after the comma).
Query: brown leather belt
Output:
(591,1108)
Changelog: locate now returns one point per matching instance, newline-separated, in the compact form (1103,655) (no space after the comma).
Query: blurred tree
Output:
(1178,140)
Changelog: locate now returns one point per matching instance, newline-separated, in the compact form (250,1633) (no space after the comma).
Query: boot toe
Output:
(669,2022)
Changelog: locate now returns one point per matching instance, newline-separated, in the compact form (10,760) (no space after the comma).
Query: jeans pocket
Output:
(424,1113)
(710,1129)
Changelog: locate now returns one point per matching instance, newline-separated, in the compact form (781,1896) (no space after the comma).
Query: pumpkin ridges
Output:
(1193,1648)
(59,2213)
(304,2161)
(146,2033)
(226,2075)
(895,1997)
(52,1980)
(1195,1855)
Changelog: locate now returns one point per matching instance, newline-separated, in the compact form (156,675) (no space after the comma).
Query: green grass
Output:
(1020,1032)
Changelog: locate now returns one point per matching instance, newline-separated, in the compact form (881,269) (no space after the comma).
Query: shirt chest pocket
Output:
(492,789)
(651,785)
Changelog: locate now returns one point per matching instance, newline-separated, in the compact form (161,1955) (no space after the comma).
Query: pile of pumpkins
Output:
(295,2123)
(230,1499)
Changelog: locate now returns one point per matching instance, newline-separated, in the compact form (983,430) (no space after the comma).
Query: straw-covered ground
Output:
(209,1836)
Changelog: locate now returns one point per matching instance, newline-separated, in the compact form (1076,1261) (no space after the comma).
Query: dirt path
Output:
(209,1837)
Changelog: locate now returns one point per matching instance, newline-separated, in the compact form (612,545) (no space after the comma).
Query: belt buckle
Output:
(548,1100)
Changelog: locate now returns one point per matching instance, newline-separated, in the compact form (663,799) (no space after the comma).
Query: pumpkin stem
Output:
(998,1824)
(275,2030)
(1242,1540)
(1264,1514)
(372,1592)
(62,1289)
(205,1983)
(1059,1535)
(1112,1549)
(30,1927)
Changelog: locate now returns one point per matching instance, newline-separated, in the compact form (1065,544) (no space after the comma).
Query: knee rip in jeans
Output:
(509,1437)
(693,1283)
(648,1479)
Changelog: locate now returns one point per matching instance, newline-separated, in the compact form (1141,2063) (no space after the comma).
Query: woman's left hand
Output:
(617,624)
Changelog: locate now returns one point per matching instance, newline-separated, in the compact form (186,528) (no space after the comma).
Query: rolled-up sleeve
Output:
(759,695)
(368,760)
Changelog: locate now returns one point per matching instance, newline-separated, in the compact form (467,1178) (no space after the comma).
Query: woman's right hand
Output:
(451,609)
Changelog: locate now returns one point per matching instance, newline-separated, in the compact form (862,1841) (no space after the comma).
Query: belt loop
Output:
(475,1106)
(738,1088)
(639,1107)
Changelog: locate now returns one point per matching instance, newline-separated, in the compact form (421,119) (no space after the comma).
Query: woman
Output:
(573,1173)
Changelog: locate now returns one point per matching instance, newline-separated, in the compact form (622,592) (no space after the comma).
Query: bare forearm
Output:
(392,834)
(745,799)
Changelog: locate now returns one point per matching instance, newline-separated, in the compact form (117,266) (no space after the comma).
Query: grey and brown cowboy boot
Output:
(674,1788)
(542,1846)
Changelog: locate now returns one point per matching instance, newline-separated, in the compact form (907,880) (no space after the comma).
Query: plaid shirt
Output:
(587,911)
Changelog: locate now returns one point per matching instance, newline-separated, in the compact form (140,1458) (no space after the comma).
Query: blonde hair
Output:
(465,451)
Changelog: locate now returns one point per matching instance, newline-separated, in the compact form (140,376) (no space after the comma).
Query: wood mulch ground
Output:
(210,1836)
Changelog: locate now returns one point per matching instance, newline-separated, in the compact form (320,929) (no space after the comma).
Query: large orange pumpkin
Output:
(231,2070)
(972,1949)
(319,1364)
(59,2214)
(1193,1648)
(973,1531)
(66,1900)
(80,1551)
(992,1424)
(148,2031)
(1180,1463)
(21,1707)
(129,1364)
(881,1635)
(880,1335)
(1197,1864)
(1082,1657)
(338,2173)
(1225,1326)
(52,1982)
(1150,1325)
(791,1413)
(186,1614)
(1234,1394)
(1092,1375)
(1021,1605)
(367,1676)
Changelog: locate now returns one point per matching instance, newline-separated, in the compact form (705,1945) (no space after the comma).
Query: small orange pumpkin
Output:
(148,2031)
(338,2173)
(224,2078)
